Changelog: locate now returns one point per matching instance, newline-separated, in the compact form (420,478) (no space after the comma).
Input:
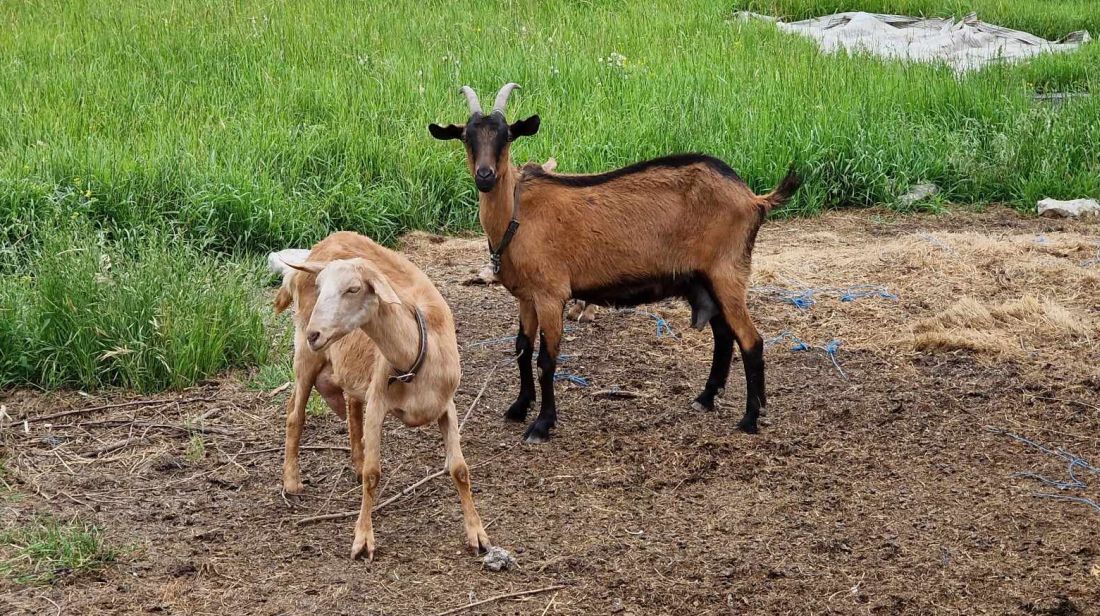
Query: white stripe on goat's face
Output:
(349,292)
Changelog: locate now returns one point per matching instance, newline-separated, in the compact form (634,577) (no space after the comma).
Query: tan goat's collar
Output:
(421,350)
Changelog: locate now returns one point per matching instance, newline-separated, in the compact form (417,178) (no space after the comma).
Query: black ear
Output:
(523,128)
(443,133)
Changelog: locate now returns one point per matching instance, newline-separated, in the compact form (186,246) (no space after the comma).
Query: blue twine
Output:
(865,290)
(830,348)
(663,328)
(1075,499)
(803,299)
(572,378)
(799,298)
(1073,461)
(1040,239)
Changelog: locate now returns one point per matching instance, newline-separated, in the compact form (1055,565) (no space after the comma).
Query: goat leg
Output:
(372,472)
(719,364)
(550,324)
(528,325)
(355,434)
(582,311)
(476,538)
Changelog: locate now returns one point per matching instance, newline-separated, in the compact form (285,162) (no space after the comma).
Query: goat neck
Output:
(495,207)
(394,331)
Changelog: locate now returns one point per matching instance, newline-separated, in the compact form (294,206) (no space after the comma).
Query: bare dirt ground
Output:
(887,489)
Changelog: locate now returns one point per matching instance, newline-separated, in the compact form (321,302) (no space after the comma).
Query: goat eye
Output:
(354,290)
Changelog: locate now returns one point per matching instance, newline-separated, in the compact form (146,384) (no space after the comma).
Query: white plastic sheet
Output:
(966,45)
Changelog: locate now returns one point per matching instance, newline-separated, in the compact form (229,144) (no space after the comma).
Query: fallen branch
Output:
(477,398)
(616,394)
(352,514)
(104,407)
(95,453)
(499,597)
(309,447)
(114,423)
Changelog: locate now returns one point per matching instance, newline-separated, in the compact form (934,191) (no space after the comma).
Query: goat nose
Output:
(312,337)
(484,173)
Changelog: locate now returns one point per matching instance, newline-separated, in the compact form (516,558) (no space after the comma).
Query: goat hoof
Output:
(699,406)
(518,411)
(293,486)
(537,433)
(478,542)
(748,427)
(359,547)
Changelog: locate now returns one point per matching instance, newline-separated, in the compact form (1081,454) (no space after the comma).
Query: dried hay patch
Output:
(1039,294)
(1005,329)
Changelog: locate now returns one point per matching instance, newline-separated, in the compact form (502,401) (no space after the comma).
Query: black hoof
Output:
(518,411)
(538,432)
(748,427)
(699,405)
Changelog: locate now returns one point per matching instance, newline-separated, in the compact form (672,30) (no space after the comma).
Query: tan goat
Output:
(381,327)
(675,226)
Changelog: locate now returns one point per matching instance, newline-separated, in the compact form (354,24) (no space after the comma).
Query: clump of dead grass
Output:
(1002,329)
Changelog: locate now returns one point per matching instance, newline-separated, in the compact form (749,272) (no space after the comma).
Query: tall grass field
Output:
(214,130)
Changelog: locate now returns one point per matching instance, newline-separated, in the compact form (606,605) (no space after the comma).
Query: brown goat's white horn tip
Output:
(502,97)
(471,99)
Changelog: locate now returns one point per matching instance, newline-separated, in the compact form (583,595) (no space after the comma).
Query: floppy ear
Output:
(523,128)
(309,267)
(450,131)
(383,290)
(283,299)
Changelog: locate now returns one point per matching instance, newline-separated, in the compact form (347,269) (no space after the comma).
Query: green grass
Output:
(168,135)
(264,125)
(79,308)
(44,550)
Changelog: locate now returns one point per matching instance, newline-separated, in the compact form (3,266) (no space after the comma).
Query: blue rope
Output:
(797,344)
(663,328)
(1074,462)
(865,290)
(572,378)
(803,299)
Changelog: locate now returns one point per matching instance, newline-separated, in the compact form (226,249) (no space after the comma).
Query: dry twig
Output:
(104,407)
(499,597)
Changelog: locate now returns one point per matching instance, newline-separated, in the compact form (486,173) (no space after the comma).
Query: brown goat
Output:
(386,336)
(675,226)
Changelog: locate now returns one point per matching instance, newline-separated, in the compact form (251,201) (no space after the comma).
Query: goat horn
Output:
(502,97)
(471,98)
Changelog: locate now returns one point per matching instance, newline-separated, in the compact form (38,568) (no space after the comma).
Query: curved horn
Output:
(471,98)
(502,97)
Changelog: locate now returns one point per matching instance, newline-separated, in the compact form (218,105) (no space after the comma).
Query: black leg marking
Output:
(755,397)
(524,350)
(720,363)
(539,430)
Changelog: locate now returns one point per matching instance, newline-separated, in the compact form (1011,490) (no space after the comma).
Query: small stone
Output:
(498,559)
(1053,208)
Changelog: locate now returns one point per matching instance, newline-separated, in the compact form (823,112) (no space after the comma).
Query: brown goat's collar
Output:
(495,254)
(421,350)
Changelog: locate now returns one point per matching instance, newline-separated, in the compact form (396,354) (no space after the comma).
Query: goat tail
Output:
(784,191)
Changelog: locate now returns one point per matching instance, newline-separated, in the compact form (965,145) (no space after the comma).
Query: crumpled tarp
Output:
(966,45)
